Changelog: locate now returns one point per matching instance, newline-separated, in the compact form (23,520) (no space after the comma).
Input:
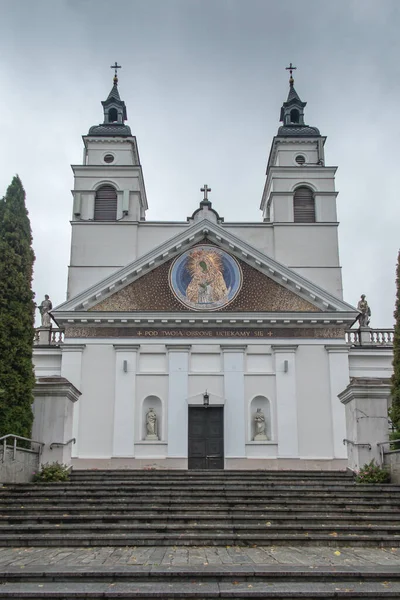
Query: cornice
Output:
(189,319)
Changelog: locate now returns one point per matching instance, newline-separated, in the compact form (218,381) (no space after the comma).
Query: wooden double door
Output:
(206,437)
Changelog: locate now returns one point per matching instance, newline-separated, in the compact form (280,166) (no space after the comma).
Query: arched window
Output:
(294,115)
(112,115)
(304,205)
(105,204)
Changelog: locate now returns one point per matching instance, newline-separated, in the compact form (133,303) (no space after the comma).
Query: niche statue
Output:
(260,426)
(151,425)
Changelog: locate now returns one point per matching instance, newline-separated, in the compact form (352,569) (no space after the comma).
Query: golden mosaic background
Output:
(151,292)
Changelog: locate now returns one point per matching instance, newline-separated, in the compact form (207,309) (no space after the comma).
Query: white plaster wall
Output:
(47,361)
(151,235)
(329,279)
(307,245)
(258,235)
(100,244)
(375,362)
(82,278)
(313,401)
(97,402)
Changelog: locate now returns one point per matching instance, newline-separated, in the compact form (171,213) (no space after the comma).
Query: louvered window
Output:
(304,206)
(105,204)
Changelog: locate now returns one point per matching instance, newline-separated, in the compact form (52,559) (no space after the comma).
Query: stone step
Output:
(129,527)
(323,521)
(61,539)
(208,582)
(219,573)
(64,491)
(128,504)
(212,590)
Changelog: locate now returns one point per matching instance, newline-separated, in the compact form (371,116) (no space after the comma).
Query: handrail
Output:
(18,437)
(345,441)
(60,444)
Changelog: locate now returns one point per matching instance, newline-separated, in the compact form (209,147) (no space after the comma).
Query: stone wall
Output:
(19,469)
(392,461)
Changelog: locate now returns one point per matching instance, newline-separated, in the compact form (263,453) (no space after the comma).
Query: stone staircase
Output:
(193,509)
(198,508)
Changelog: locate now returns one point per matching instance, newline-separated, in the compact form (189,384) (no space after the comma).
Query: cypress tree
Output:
(395,408)
(16,314)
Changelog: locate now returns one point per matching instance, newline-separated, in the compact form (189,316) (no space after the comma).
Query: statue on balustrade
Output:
(151,425)
(365,312)
(44,309)
(260,426)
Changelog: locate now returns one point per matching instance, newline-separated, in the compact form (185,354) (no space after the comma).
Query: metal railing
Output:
(15,447)
(377,337)
(367,445)
(61,444)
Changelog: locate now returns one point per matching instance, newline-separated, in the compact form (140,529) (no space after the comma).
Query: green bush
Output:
(52,472)
(373,473)
(394,437)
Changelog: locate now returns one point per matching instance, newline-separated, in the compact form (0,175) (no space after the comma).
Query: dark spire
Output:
(115,113)
(292,113)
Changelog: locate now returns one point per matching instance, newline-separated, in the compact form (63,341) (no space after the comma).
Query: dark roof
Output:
(113,129)
(298,130)
(114,94)
(293,95)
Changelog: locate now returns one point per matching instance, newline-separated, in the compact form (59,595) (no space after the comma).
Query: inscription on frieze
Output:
(142,332)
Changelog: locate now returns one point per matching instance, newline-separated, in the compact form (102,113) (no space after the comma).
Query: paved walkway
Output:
(310,556)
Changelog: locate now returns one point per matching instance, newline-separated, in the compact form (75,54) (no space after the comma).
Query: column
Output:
(234,408)
(366,404)
(338,379)
(53,413)
(124,400)
(286,400)
(71,369)
(178,392)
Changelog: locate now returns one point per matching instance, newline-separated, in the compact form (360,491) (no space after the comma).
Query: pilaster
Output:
(124,403)
(178,392)
(286,400)
(71,369)
(234,409)
(338,357)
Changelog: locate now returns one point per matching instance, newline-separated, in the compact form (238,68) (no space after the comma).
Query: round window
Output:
(109,158)
(300,159)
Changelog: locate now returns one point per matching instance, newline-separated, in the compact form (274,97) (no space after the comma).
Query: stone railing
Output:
(48,337)
(377,337)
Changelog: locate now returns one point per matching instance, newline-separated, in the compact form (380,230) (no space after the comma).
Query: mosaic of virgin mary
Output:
(205,278)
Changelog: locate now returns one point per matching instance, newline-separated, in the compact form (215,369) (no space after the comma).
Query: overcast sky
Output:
(203,81)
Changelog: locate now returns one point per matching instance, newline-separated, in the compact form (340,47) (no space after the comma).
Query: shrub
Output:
(372,473)
(52,472)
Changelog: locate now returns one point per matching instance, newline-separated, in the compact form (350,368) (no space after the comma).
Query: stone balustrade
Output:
(377,337)
(48,337)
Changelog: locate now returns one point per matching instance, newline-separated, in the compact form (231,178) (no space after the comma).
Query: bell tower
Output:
(299,198)
(109,197)
(110,161)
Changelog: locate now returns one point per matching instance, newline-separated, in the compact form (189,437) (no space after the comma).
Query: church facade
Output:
(206,343)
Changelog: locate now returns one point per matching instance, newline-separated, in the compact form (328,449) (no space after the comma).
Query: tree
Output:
(395,391)
(17,310)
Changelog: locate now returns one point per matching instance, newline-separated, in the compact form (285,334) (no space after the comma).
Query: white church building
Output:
(203,343)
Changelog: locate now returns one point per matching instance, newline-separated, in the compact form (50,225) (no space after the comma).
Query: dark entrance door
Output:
(206,437)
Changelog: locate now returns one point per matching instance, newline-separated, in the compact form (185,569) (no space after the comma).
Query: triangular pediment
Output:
(145,286)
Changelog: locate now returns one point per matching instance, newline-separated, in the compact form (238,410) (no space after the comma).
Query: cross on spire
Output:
(205,189)
(115,66)
(291,68)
